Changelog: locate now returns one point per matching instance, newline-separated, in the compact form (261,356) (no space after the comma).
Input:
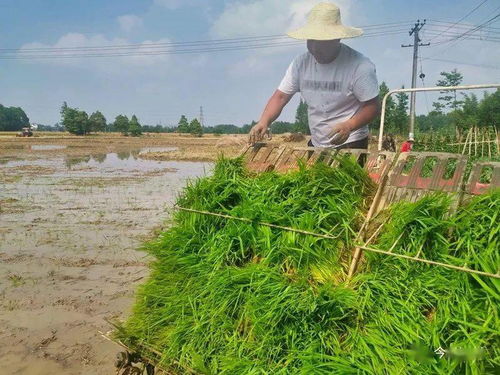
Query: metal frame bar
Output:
(437,88)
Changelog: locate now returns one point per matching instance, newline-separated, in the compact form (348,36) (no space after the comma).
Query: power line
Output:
(470,37)
(155,52)
(369,28)
(470,31)
(457,39)
(232,44)
(229,44)
(454,36)
(467,15)
(464,63)
(479,27)
(150,45)
(440,32)
(148,52)
(459,25)
(455,29)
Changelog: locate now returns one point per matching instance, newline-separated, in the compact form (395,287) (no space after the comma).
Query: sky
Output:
(232,86)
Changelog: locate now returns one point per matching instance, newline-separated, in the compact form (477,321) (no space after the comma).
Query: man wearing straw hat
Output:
(338,84)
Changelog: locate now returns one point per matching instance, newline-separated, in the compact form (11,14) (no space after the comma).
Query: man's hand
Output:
(273,109)
(368,111)
(257,133)
(340,132)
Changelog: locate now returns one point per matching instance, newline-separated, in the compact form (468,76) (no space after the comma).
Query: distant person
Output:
(407,145)
(338,84)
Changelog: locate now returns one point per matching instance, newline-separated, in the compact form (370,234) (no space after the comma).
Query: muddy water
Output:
(69,233)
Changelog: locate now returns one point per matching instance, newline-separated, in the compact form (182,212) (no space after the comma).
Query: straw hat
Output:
(323,23)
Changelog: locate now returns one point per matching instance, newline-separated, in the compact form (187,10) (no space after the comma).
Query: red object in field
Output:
(406,146)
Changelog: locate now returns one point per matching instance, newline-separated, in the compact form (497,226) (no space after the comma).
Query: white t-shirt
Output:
(333,92)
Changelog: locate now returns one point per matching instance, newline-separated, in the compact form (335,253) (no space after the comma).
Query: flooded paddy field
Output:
(73,213)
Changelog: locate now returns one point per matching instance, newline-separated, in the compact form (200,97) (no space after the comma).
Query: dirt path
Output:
(71,220)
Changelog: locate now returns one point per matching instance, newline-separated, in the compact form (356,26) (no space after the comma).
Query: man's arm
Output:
(273,109)
(368,111)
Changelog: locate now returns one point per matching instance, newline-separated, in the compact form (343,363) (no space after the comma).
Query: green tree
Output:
(4,124)
(134,126)
(397,116)
(223,129)
(75,121)
(97,122)
(195,128)
(489,110)
(13,118)
(302,119)
(183,125)
(448,100)
(121,124)
(245,129)
(280,127)
(434,120)
(467,116)
(389,109)
(438,107)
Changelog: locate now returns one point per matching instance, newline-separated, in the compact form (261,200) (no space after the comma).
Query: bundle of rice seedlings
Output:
(231,297)
(412,310)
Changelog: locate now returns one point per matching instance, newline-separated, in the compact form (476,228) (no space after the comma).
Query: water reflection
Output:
(126,160)
(122,163)
(124,155)
(128,156)
(71,161)
(100,158)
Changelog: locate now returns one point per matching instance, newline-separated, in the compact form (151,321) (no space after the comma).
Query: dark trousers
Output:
(362,143)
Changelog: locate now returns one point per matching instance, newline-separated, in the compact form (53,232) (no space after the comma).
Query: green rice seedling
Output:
(432,306)
(231,297)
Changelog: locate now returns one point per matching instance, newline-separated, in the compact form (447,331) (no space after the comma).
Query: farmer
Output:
(407,145)
(338,84)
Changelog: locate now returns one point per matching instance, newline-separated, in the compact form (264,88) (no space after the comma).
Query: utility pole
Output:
(416,43)
(202,121)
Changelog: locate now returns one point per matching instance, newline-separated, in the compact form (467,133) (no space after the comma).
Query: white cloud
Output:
(73,49)
(128,22)
(266,17)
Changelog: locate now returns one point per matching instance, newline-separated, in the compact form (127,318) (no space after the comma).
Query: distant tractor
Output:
(26,132)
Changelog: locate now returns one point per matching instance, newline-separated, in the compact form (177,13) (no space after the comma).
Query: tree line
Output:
(192,127)
(79,122)
(452,112)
